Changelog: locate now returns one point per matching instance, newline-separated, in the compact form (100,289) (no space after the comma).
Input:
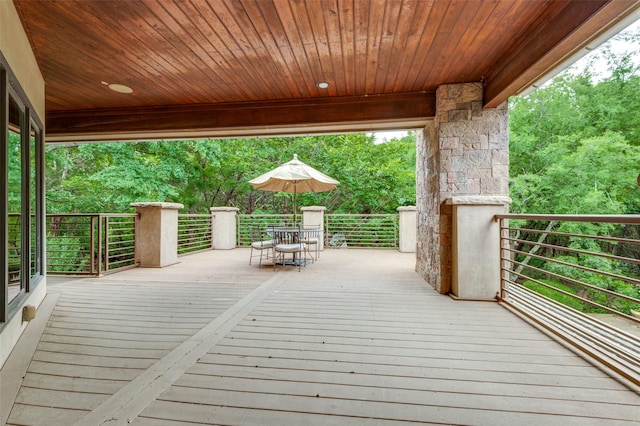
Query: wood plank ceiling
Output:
(231,67)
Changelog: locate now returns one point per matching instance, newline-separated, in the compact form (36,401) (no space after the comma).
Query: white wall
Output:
(15,47)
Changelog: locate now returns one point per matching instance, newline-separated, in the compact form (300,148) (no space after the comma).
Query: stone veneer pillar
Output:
(223,227)
(157,233)
(314,216)
(464,151)
(408,218)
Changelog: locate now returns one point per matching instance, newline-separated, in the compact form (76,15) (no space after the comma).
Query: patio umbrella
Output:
(294,177)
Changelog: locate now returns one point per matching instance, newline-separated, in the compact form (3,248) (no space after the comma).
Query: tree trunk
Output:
(535,248)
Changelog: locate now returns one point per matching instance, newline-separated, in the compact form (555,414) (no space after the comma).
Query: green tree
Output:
(573,143)
(93,178)
(375,178)
(575,149)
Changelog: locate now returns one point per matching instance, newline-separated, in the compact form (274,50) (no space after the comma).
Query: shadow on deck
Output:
(357,338)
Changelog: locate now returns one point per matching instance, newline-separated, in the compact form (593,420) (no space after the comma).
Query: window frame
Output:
(31,137)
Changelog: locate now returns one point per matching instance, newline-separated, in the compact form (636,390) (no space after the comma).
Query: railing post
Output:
(476,257)
(223,227)
(106,243)
(157,241)
(408,228)
(92,241)
(314,216)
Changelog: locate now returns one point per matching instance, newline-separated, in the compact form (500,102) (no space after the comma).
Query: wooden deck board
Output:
(88,372)
(231,415)
(236,347)
(66,348)
(350,408)
(130,329)
(341,342)
(427,371)
(186,392)
(81,331)
(201,378)
(127,325)
(73,384)
(490,346)
(60,399)
(108,343)
(417,329)
(408,359)
(28,414)
(93,360)
(387,339)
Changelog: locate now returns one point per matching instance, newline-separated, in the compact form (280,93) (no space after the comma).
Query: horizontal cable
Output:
(573,265)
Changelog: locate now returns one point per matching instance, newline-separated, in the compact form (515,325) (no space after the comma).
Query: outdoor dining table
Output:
(290,239)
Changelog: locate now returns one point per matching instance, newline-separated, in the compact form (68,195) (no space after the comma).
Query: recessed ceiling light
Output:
(120,88)
(322,85)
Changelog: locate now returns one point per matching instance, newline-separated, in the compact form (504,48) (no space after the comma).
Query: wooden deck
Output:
(357,338)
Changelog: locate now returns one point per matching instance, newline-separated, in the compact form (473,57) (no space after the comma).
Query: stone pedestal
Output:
(476,246)
(224,227)
(408,228)
(157,234)
(314,216)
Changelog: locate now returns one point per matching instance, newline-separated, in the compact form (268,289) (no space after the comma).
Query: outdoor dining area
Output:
(278,241)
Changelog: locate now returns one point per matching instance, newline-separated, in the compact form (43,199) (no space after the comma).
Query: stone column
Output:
(314,216)
(157,234)
(224,227)
(408,229)
(464,151)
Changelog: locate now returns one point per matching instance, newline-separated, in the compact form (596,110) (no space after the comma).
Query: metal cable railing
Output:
(263,221)
(578,277)
(118,233)
(340,230)
(361,230)
(90,244)
(93,244)
(194,233)
(14,248)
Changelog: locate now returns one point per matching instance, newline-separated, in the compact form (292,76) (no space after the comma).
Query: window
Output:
(21,195)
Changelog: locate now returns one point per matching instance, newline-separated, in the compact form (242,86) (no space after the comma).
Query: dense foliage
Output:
(575,149)
(575,143)
(374,178)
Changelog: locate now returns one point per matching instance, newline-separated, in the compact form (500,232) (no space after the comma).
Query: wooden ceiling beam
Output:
(113,123)
(563,32)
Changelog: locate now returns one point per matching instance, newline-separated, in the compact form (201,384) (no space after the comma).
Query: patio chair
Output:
(258,242)
(288,241)
(311,237)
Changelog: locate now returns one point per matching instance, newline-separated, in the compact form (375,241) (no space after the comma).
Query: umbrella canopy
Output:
(294,177)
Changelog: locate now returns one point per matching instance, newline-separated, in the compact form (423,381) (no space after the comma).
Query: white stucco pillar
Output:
(314,216)
(223,227)
(157,234)
(476,246)
(408,228)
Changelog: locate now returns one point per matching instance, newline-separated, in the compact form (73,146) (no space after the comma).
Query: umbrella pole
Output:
(295,195)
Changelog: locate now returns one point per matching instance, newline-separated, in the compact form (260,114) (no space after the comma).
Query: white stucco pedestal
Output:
(314,216)
(408,228)
(223,227)
(476,246)
(157,234)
